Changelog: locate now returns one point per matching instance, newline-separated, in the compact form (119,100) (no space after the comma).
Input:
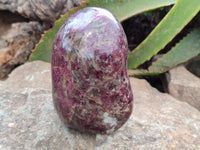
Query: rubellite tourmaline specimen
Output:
(91,88)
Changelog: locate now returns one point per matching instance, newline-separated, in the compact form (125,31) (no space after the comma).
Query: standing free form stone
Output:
(91,88)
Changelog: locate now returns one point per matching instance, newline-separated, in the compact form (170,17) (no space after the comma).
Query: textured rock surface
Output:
(19,36)
(91,88)
(16,42)
(184,86)
(39,9)
(29,121)
(194,66)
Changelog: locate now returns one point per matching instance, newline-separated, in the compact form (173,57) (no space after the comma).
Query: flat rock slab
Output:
(184,86)
(29,121)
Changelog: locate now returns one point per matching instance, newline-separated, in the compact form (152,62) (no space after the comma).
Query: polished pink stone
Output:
(91,88)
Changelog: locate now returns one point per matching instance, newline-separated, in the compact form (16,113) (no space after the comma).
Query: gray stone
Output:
(194,66)
(184,86)
(45,10)
(16,44)
(29,121)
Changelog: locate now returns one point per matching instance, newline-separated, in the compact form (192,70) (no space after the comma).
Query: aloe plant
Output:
(187,48)
(166,30)
(177,18)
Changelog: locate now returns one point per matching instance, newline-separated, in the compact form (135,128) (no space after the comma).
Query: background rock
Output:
(16,44)
(194,66)
(29,121)
(39,9)
(21,24)
(184,86)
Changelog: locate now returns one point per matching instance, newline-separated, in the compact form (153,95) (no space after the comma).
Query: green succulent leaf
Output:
(186,49)
(122,9)
(173,23)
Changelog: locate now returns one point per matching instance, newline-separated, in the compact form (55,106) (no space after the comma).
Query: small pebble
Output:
(11,125)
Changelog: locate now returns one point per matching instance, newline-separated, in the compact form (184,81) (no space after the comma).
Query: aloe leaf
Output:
(186,49)
(139,72)
(173,23)
(122,9)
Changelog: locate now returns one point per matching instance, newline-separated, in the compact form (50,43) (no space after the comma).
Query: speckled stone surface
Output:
(91,88)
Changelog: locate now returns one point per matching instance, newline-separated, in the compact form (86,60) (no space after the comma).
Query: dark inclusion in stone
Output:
(91,88)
